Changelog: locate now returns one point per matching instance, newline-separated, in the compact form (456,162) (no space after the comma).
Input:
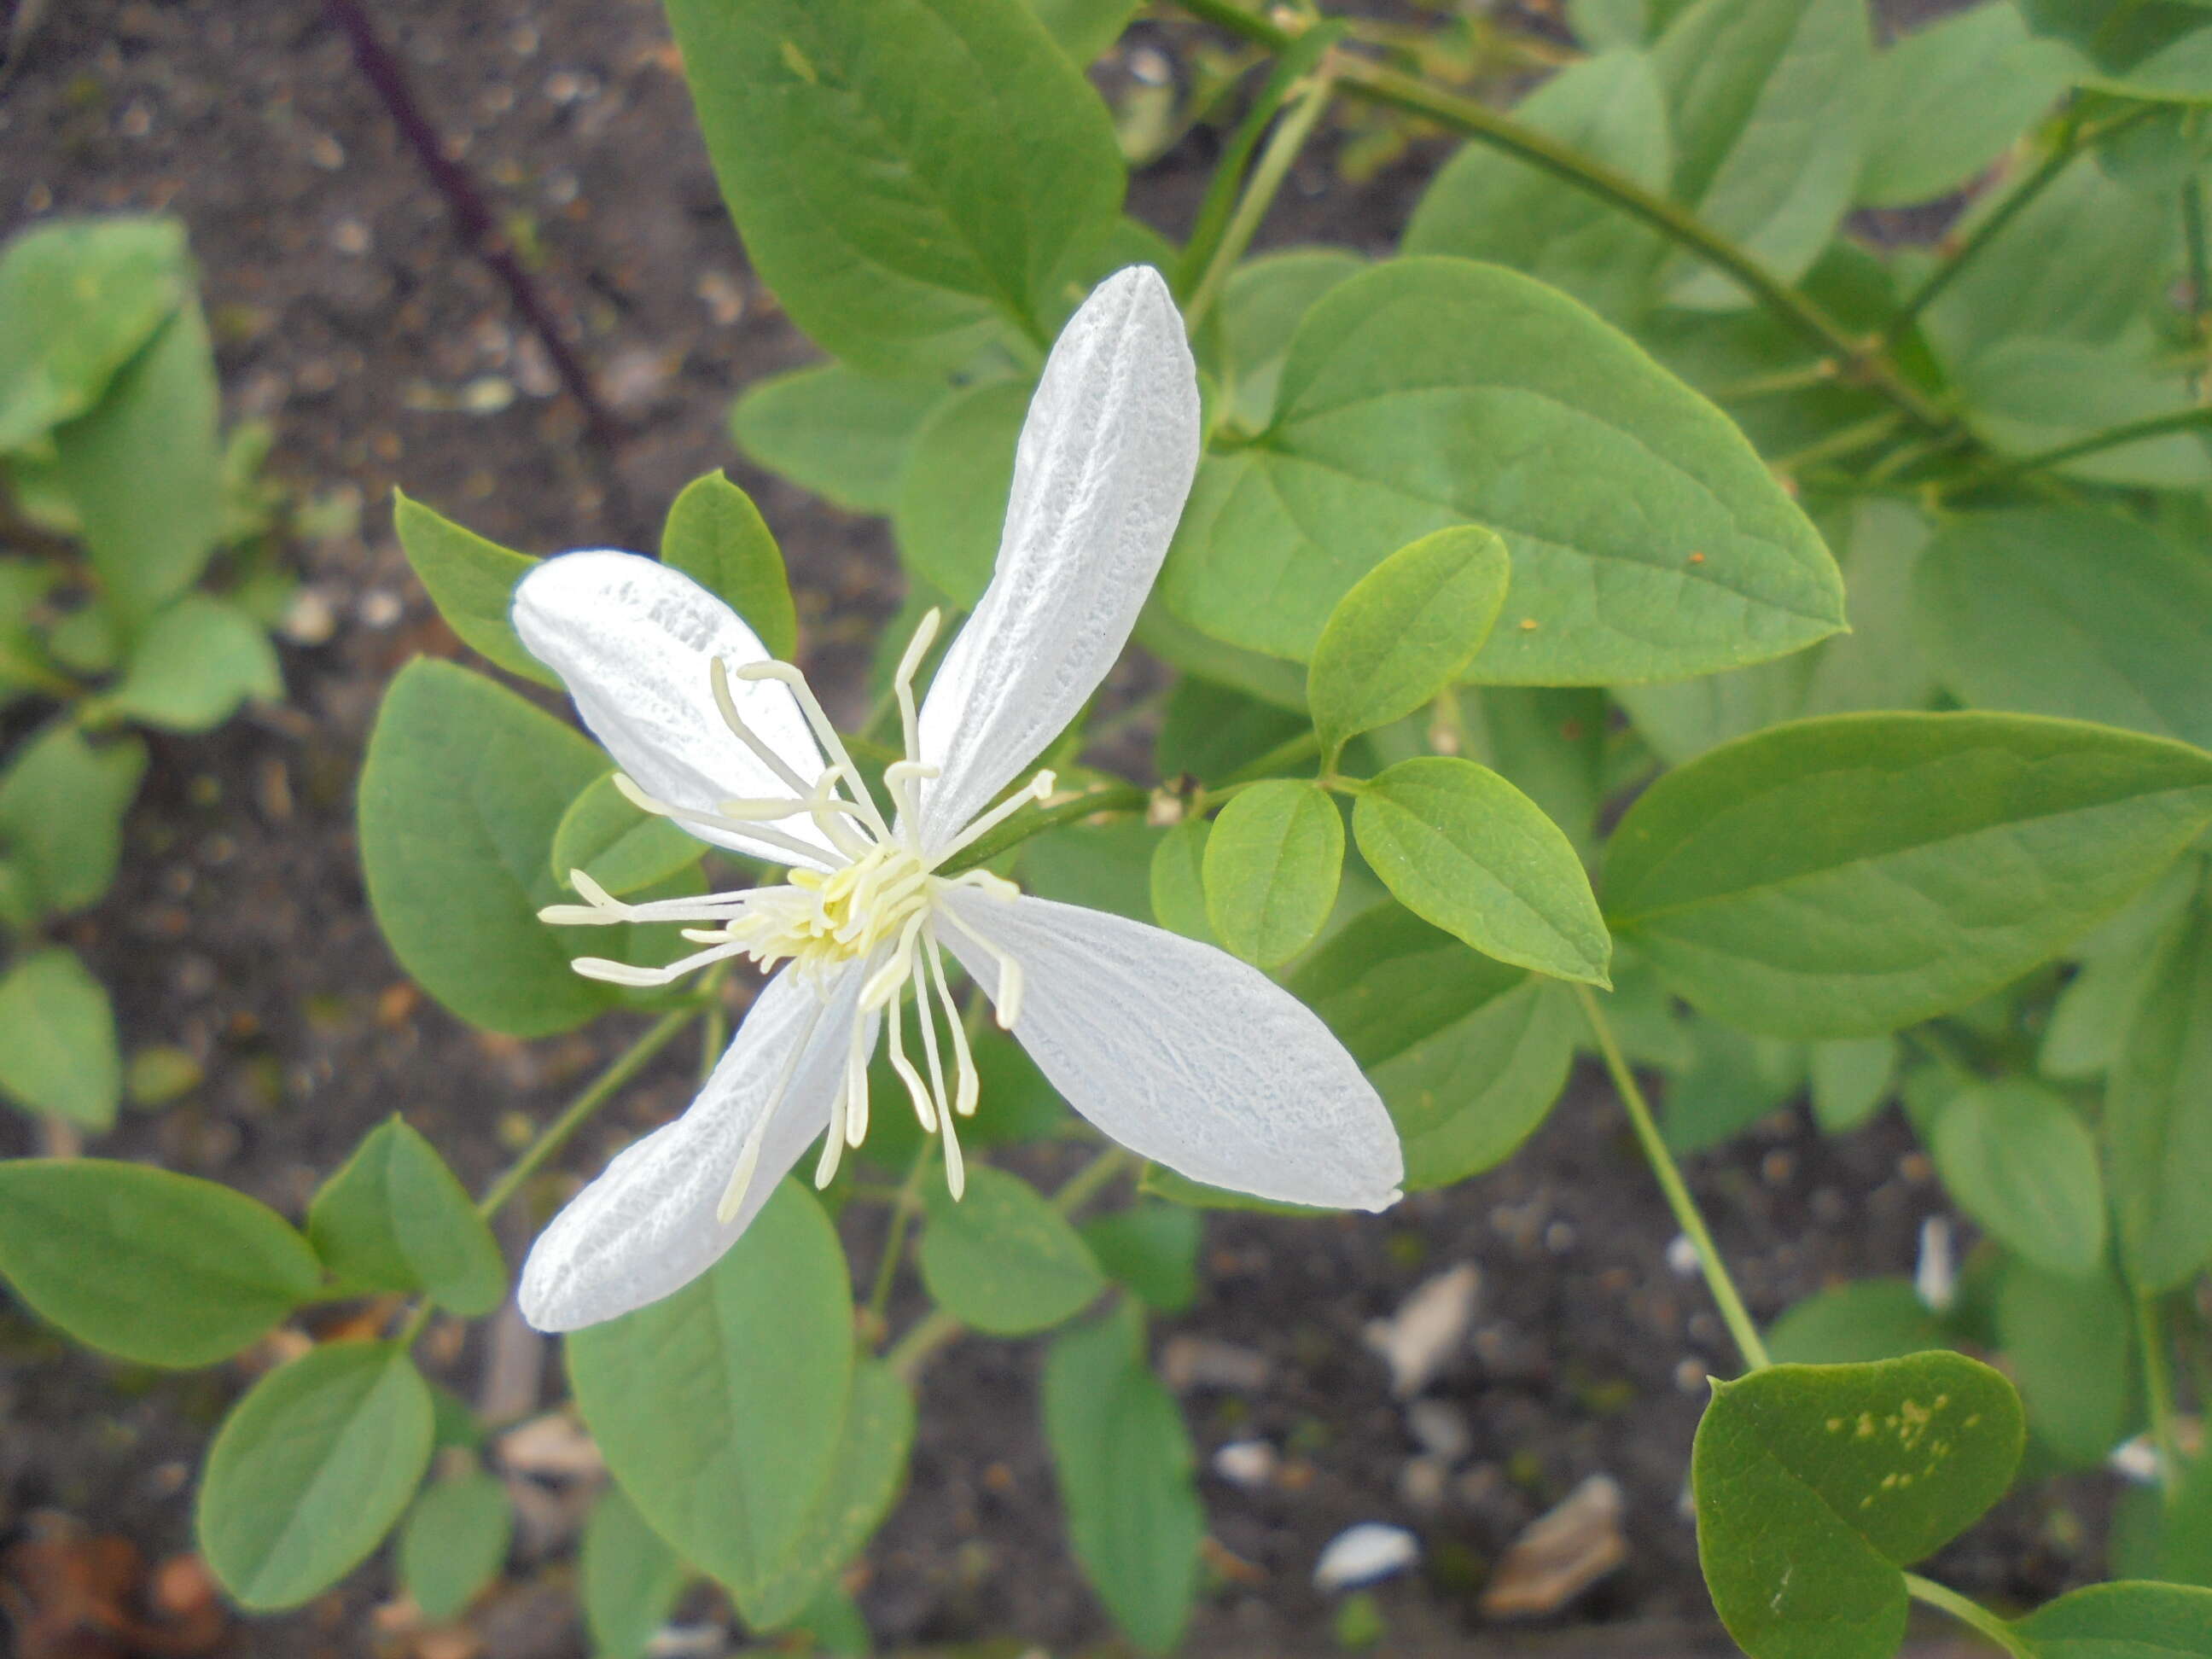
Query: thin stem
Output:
(902,1208)
(417,1321)
(2158,1395)
(1362,78)
(1086,1183)
(1747,1340)
(2074,141)
(1121,798)
(2200,274)
(1847,442)
(1970,1614)
(1290,752)
(1290,137)
(2154,425)
(555,1135)
(1821,371)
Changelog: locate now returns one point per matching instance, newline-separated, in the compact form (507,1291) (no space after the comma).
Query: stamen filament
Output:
(969,1086)
(718,674)
(824,733)
(1040,786)
(924,1109)
(908,800)
(760,832)
(628,973)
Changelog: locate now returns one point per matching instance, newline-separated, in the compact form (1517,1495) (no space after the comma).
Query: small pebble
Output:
(1561,1555)
(1440,1430)
(379,608)
(1364,1554)
(1428,1328)
(1935,1276)
(1683,1260)
(1202,1362)
(1248,1464)
(1421,1484)
(1690,1376)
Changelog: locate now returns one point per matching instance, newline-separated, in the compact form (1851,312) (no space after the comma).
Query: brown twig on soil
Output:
(471,217)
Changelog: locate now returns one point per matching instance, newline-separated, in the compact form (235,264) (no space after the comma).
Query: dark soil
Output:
(348,316)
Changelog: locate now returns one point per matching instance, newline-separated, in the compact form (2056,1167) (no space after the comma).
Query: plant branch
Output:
(1748,1342)
(555,1135)
(1361,78)
(1970,1613)
(2112,437)
(472,219)
(2158,1395)
(895,1225)
(1118,798)
(1290,137)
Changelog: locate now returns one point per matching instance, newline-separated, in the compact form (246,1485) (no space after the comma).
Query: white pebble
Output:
(1682,1257)
(1364,1554)
(1247,1463)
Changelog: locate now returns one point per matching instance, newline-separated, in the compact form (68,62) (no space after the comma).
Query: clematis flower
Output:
(1175,1049)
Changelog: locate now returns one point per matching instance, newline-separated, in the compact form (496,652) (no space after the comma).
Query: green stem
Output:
(2075,142)
(417,1319)
(2153,426)
(1122,798)
(1970,1613)
(1290,137)
(902,1208)
(1747,1340)
(555,1135)
(2200,274)
(1847,442)
(1086,1183)
(2158,1395)
(1821,371)
(1360,77)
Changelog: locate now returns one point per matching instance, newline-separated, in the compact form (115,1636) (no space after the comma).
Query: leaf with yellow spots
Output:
(1817,1484)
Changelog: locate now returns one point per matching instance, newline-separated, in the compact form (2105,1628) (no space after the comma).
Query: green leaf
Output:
(719,1408)
(2097,1008)
(2067,610)
(160,1269)
(1462,848)
(1270,867)
(906,174)
(1867,1319)
(716,536)
(1468,1054)
(632,1580)
(1211,731)
(1432,392)
(2069,1345)
(1951,98)
(2180,73)
(1260,305)
(1405,630)
(1004,1260)
(2158,1117)
(1485,205)
(1549,743)
(57,1046)
(2026,396)
(1107,866)
(453,1543)
(2122,1622)
(1084,28)
(62,804)
(78,300)
(1768,104)
(1123,1459)
(462,790)
(1270,679)
(2185,1534)
(952,499)
(1851,1077)
(2022,1164)
(471,581)
(1153,1250)
(843,435)
(1849,876)
(1815,1485)
(396,1218)
(864,1483)
(1734,1081)
(617,845)
(1178,880)
(311,1470)
(144,469)
(194,665)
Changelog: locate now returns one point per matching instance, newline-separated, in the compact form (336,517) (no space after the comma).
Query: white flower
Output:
(1180,1052)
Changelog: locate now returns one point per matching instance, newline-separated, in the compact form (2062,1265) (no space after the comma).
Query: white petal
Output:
(646,1226)
(1185,1055)
(633,639)
(1106,459)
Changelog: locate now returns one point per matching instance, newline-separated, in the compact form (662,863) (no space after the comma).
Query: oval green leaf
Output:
(632,1580)
(1849,876)
(396,1218)
(453,1543)
(1270,867)
(471,581)
(1649,541)
(1178,879)
(620,847)
(62,804)
(463,788)
(57,1046)
(716,536)
(2122,1622)
(161,1268)
(2022,1163)
(311,1470)
(1460,847)
(1004,1260)
(78,300)
(1407,629)
(843,435)
(719,1408)
(194,665)
(2158,1134)
(1816,1483)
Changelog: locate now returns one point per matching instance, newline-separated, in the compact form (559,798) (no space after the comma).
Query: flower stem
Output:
(1290,137)
(1969,1612)
(1360,77)
(555,1135)
(1086,1183)
(1124,797)
(1747,1340)
(903,1206)
(2158,1395)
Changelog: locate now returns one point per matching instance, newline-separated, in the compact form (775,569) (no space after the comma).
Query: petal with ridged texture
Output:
(646,1227)
(632,640)
(1184,1055)
(1105,461)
